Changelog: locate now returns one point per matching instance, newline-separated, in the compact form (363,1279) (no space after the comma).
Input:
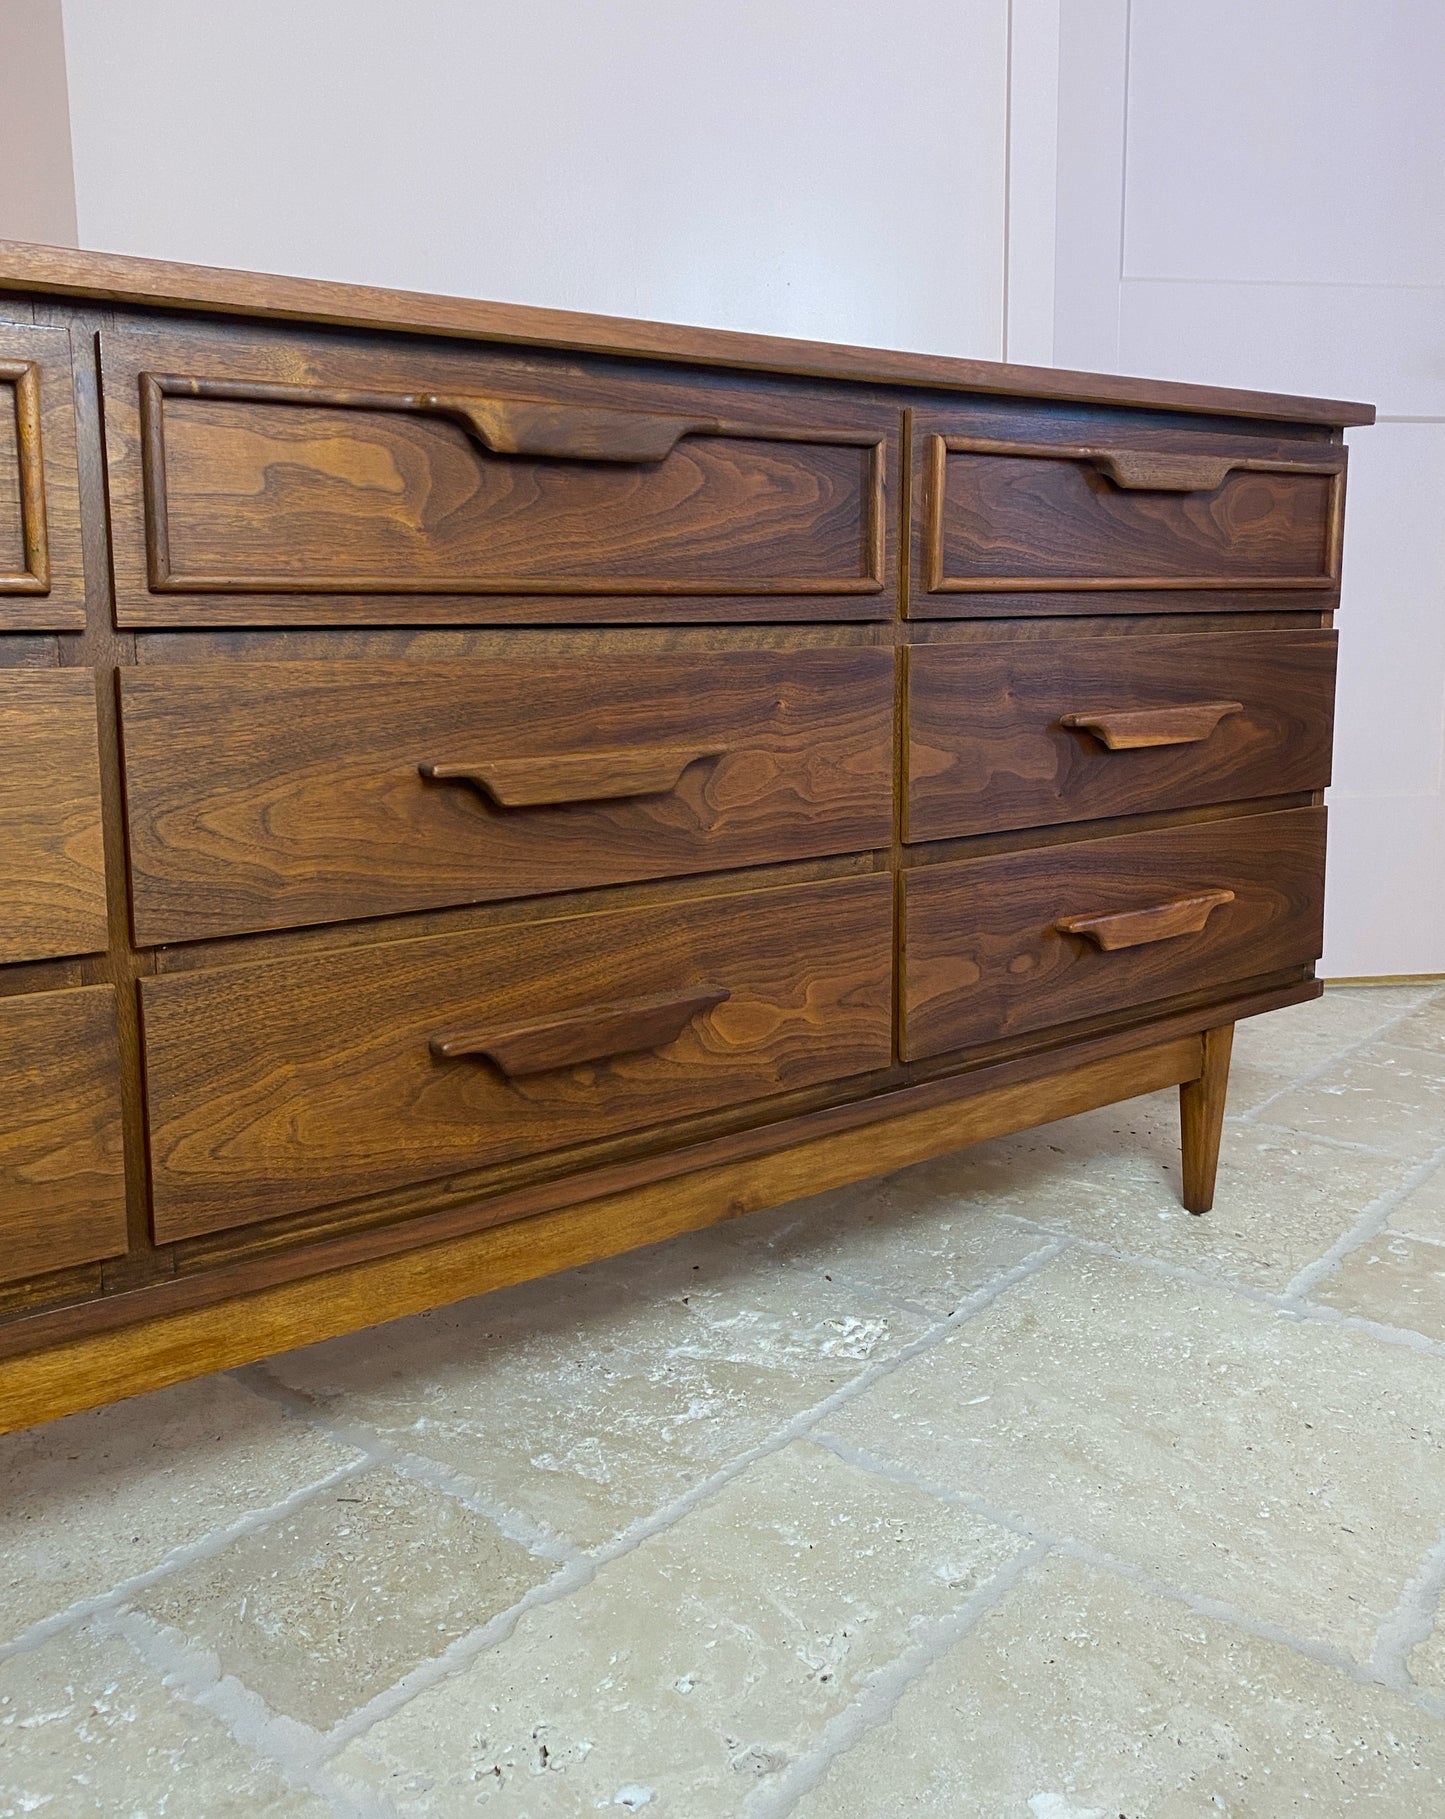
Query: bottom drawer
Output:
(62,1170)
(301,1082)
(1020,941)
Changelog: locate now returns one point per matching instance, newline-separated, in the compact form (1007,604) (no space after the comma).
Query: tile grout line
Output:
(187,1554)
(1323,1654)
(1411,1622)
(875,1701)
(1370,1223)
(306,1752)
(538,1538)
(1311,1075)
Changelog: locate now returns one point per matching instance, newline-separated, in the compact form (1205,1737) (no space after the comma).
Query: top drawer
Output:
(1010,518)
(42,585)
(266,478)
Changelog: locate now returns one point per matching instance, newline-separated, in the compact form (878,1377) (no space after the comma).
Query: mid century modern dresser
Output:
(482,788)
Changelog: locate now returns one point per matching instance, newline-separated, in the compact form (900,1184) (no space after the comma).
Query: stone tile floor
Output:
(996,1487)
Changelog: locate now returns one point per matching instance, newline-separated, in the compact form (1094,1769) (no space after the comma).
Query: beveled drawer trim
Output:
(23,377)
(1114,464)
(164,577)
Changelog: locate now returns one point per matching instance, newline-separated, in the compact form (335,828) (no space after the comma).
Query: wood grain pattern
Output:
(62,1175)
(1201,1119)
(76,1373)
(268,795)
(1000,734)
(42,579)
(229,478)
(295,1083)
(198,288)
(52,861)
(984,957)
(1020,517)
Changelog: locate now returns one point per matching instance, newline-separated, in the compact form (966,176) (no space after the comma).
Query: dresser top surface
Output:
(112,277)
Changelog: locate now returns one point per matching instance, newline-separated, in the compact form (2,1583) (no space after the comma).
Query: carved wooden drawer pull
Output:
(1126,729)
(568,432)
(574,776)
(1136,928)
(582,1036)
(1138,470)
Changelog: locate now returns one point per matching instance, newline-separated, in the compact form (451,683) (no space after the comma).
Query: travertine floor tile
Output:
(1387,1095)
(334,1603)
(590,1400)
(1113,1176)
(1425,1028)
(1423,1212)
(892,1234)
(87,1732)
(1271,1052)
(1293,1469)
(97,1498)
(1397,1280)
(1426,1662)
(696,1667)
(1080,1697)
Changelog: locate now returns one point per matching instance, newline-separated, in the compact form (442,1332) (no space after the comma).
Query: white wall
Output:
(1249,195)
(811,167)
(37,184)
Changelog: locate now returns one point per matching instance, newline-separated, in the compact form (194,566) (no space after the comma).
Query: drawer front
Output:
(62,1174)
(1075,729)
(1035,518)
(299,1083)
(999,946)
(273,795)
(266,478)
(52,868)
(42,583)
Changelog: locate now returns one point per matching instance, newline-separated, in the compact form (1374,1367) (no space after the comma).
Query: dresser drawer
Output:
(42,582)
(1002,945)
(1030,517)
(62,1172)
(1019,735)
(272,795)
(302,1082)
(52,868)
(271,478)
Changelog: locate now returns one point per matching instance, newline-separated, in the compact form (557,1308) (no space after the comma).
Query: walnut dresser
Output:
(482,788)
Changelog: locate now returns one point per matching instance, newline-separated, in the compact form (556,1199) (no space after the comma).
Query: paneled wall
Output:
(1248,195)
(1240,192)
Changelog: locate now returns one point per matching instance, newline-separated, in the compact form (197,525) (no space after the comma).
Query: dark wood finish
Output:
(1010,516)
(268,795)
(1201,1119)
(229,479)
(113,277)
(293,1083)
(75,1372)
(985,957)
(62,1176)
(42,580)
(1011,734)
(52,862)
(609,955)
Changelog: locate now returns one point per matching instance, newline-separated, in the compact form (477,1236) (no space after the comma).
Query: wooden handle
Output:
(1136,928)
(574,776)
(1137,470)
(1125,729)
(582,1036)
(565,432)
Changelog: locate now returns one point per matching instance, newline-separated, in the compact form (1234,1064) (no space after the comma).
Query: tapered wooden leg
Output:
(1201,1119)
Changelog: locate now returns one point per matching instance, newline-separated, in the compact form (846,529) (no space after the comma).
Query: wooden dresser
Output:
(483,788)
